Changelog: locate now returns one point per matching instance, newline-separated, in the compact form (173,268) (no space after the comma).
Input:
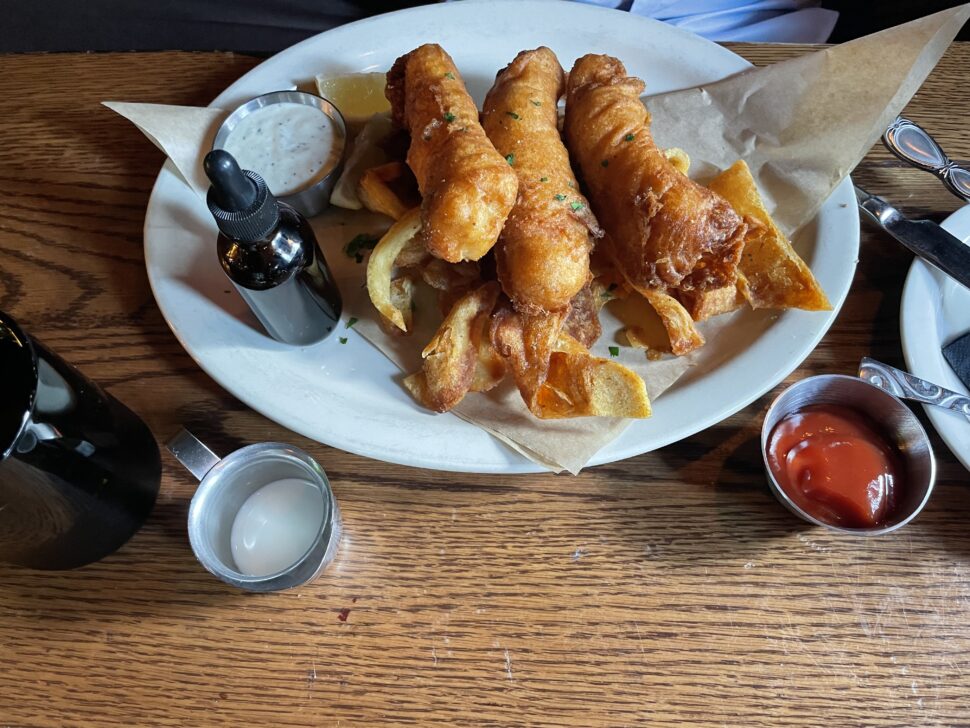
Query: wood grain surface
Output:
(667,590)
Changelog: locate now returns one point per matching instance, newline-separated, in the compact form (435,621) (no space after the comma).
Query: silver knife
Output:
(905,386)
(925,238)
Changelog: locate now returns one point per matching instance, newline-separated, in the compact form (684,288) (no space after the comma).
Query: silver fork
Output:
(913,144)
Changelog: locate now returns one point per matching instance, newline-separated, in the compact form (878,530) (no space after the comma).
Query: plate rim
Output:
(914,344)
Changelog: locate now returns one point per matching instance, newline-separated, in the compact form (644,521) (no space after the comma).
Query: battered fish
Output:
(668,232)
(542,255)
(467,188)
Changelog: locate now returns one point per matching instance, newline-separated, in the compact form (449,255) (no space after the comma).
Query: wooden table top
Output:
(669,589)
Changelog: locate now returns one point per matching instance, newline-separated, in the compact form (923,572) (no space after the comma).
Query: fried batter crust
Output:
(543,252)
(668,231)
(467,188)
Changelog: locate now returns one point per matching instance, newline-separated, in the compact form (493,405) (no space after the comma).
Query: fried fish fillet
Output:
(467,188)
(668,232)
(542,255)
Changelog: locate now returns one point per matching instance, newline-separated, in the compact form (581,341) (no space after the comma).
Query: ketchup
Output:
(836,466)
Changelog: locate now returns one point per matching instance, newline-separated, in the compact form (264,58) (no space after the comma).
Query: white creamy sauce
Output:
(275,526)
(289,145)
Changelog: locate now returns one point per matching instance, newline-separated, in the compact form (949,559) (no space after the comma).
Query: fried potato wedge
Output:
(367,151)
(684,336)
(772,275)
(380,266)
(389,189)
(558,377)
(413,254)
(579,384)
(703,305)
(453,358)
(402,297)
(489,366)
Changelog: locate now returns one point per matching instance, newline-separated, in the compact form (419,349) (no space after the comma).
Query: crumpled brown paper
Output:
(801,125)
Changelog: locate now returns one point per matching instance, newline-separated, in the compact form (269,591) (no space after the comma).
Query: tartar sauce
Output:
(289,145)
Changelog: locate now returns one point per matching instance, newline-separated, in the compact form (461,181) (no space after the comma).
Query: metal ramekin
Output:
(897,421)
(314,198)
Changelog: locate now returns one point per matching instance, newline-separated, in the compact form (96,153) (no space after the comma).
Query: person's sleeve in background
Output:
(766,21)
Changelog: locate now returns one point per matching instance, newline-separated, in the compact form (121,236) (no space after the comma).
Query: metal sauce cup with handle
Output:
(253,508)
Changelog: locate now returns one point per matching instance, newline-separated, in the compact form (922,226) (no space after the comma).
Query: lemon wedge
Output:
(358,95)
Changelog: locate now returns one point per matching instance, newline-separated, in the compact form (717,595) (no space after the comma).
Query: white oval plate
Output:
(934,310)
(348,396)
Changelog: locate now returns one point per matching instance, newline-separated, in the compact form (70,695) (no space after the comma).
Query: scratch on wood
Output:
(639,639)
(508,665)
(434,655)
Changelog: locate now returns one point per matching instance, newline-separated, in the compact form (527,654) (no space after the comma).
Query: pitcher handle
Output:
(192,453)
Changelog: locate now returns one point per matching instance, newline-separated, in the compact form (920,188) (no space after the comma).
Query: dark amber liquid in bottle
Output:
(285,279)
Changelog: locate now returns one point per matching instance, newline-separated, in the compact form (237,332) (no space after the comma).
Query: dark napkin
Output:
(957,355)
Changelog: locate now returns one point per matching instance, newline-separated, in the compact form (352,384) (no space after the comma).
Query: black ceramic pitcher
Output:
(79,471)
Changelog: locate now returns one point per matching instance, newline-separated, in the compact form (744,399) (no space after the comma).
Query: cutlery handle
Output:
(913,144)
(905,386)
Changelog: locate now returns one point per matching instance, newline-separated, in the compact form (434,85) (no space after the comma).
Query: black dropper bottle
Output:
(270,253)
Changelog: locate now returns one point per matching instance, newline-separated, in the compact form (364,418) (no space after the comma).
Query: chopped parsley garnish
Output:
(576,205)
(449,117)
(351,321)
(512,114)
(510,158)
(560,197)
(361,242)
(450,75)
(629,137)
(605,163)
(535,103)
(614,351)
(543,179)
(343,339)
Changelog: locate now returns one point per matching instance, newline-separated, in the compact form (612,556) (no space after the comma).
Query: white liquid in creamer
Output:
(289,145)
(275,526)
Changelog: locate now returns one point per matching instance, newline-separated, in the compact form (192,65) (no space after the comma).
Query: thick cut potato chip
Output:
(402,297)
(489,366)
(380,266)
(413,254)
(684,336)
(772,275)
(452,359)
(389,189)
(558,377)
(702,305)
(579,384)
